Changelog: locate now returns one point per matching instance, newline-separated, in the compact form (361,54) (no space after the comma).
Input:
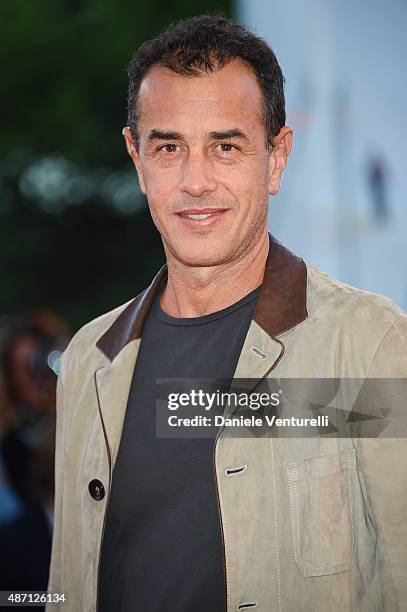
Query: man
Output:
(242,522)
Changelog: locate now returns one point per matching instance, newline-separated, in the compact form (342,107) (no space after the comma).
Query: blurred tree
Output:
(75,231)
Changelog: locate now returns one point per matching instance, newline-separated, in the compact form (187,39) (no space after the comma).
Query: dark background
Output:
(75,233)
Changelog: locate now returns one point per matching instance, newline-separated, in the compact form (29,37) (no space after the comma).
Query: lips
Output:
(196,218)
(202,213)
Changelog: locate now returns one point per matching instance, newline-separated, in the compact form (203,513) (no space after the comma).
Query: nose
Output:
(197,175)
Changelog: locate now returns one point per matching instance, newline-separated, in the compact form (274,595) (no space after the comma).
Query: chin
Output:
(199,257)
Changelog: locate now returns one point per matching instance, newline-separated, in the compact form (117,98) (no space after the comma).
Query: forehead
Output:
(229,95)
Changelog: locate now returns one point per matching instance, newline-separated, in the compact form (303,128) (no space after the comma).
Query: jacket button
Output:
(96,489)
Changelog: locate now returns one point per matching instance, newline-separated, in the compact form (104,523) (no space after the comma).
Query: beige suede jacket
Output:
(309,524)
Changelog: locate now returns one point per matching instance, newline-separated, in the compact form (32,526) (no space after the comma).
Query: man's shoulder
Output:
(330,298)
(83,342)
(96,327)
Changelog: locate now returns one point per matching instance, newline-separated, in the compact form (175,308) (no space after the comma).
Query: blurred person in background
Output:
(25,542)
(10,506)
(377,181)
(29,362)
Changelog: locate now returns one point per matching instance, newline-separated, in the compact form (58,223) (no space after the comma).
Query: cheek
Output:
(159,183)
(161,195)
(157,192)
(252,191)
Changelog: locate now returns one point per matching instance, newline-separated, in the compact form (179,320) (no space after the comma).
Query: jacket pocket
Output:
(322,492)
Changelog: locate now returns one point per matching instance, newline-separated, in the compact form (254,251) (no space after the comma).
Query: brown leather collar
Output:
(280,306)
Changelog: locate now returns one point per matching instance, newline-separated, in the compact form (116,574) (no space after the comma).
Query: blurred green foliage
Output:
(75,231)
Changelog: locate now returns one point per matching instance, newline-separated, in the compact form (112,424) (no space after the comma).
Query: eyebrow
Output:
(228,135)
(159,135)
(223,135)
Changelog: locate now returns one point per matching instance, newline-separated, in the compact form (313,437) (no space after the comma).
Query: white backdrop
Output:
(344,64)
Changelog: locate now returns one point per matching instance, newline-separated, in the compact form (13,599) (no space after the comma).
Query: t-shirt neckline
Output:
(191,321)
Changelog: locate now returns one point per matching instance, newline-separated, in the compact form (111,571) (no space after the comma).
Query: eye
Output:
(226,147)
(169,148)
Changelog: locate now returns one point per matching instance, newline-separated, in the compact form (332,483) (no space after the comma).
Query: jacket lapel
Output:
(112,389)
(281,306)
(259,353)
(120,344)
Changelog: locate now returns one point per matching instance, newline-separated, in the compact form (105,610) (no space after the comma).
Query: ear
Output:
(279,152)
(132,151)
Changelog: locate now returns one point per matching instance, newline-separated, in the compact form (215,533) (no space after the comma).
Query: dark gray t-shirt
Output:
(162,547)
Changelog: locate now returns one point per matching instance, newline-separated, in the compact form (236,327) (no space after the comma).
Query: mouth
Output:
(201,213)
(203,217)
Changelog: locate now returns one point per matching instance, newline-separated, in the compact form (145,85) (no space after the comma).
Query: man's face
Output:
(203,163)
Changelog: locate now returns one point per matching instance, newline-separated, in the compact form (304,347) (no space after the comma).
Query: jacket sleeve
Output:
(383,461)
(55,583)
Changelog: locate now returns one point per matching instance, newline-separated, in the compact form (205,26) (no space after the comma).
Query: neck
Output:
(195,292)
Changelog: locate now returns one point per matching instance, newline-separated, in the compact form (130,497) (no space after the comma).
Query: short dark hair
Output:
(204,44)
